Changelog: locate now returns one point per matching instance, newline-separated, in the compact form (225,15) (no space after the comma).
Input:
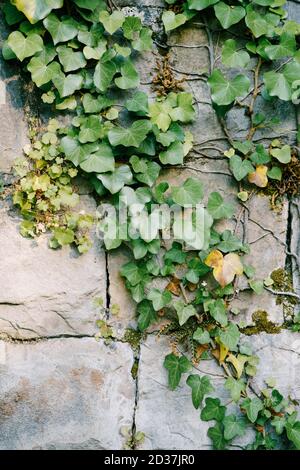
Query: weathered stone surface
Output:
(45,292)
(65,394)
(168,418)
(295,243)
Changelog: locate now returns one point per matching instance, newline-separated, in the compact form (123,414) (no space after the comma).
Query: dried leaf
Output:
(224,267)
(259,176)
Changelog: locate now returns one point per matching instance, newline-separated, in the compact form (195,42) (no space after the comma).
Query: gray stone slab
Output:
(44,292)
(65,394)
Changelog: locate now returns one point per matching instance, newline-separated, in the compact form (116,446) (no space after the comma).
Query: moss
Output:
(134,369)
(283,283)
(261,325)
(134,338)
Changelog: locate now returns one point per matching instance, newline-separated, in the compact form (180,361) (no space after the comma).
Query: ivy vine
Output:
(82,56)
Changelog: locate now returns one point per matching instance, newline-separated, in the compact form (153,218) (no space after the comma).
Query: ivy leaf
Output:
(225,91)
(131,27)
(172,21)
(232,57)
(95,105)
(73,151)
(159,298)
(138,103)
(42,73)
(224,268)
(257,286)
(233,426)
(64,236)
(12,15)
(218,311)
(174,155)
(24,47)
(91,129)
(260,24)
(130,137)
(201,336)
(281,83)
(132,273)
(116,180)
(100,161)
(217,208)
(259,176)
(283,155)
(129,77)
(190,193)
(260,156)
(275,173)
(67,84)
(213,410)
(200,4)
(112,22)
(228,14)
(103,75)
(70,60)
(36,10)
(229,242)
(240,168)
(252,406)
(216,434)
(184,110)
(184,312)
(176,366)
(61,31)
(200,386)
(236,387)
(293,433)
(146,314)
(144,41)
(150,175)
(285,48)
(230,336)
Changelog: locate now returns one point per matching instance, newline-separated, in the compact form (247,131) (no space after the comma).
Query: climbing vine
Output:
(82,57)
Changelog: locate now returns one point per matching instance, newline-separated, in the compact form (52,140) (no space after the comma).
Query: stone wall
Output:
(59,387)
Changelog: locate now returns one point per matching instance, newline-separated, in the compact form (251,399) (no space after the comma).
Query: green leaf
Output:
(213,410)
(146,314)
(36,10)
(95,105)
(275,173)
(232,57)
(104,73)
(100,161)
(230,336)
(74,152)
(131,27)
(236,387)
(12,15)
(260,156)
(159,298)
(228,14)
(67,84)
(240,168)
(190,193)
(116,180)
(216,434)
(138,103)
(201,336)
(218,311)
(260,24)
(285,48)
(112,22)
(200,4)
(184,110)
(252,407)
(129,77)
(42,73)
(233,426)
(256,286)
(130,137)
(64,236)
(159,113)
(184,312)
(283,155)
(70,60)
(217,208)
(174,155)
(293,433)
(132,273)
(144,41)
(24,47)
(281,83)
(61,31)
(225,91)
(91,129)
(172,21)
(176,366)
(229,242)
(200,386)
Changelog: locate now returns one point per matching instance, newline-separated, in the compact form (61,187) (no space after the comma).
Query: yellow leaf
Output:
(225,268)
(259,176)
(238,363)
(223,351)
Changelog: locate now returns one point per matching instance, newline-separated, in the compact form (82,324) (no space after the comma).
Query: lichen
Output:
(283,283)
(261,325)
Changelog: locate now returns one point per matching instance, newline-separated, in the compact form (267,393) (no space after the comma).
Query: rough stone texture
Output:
(65,393)
(46,292)
(168,418)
